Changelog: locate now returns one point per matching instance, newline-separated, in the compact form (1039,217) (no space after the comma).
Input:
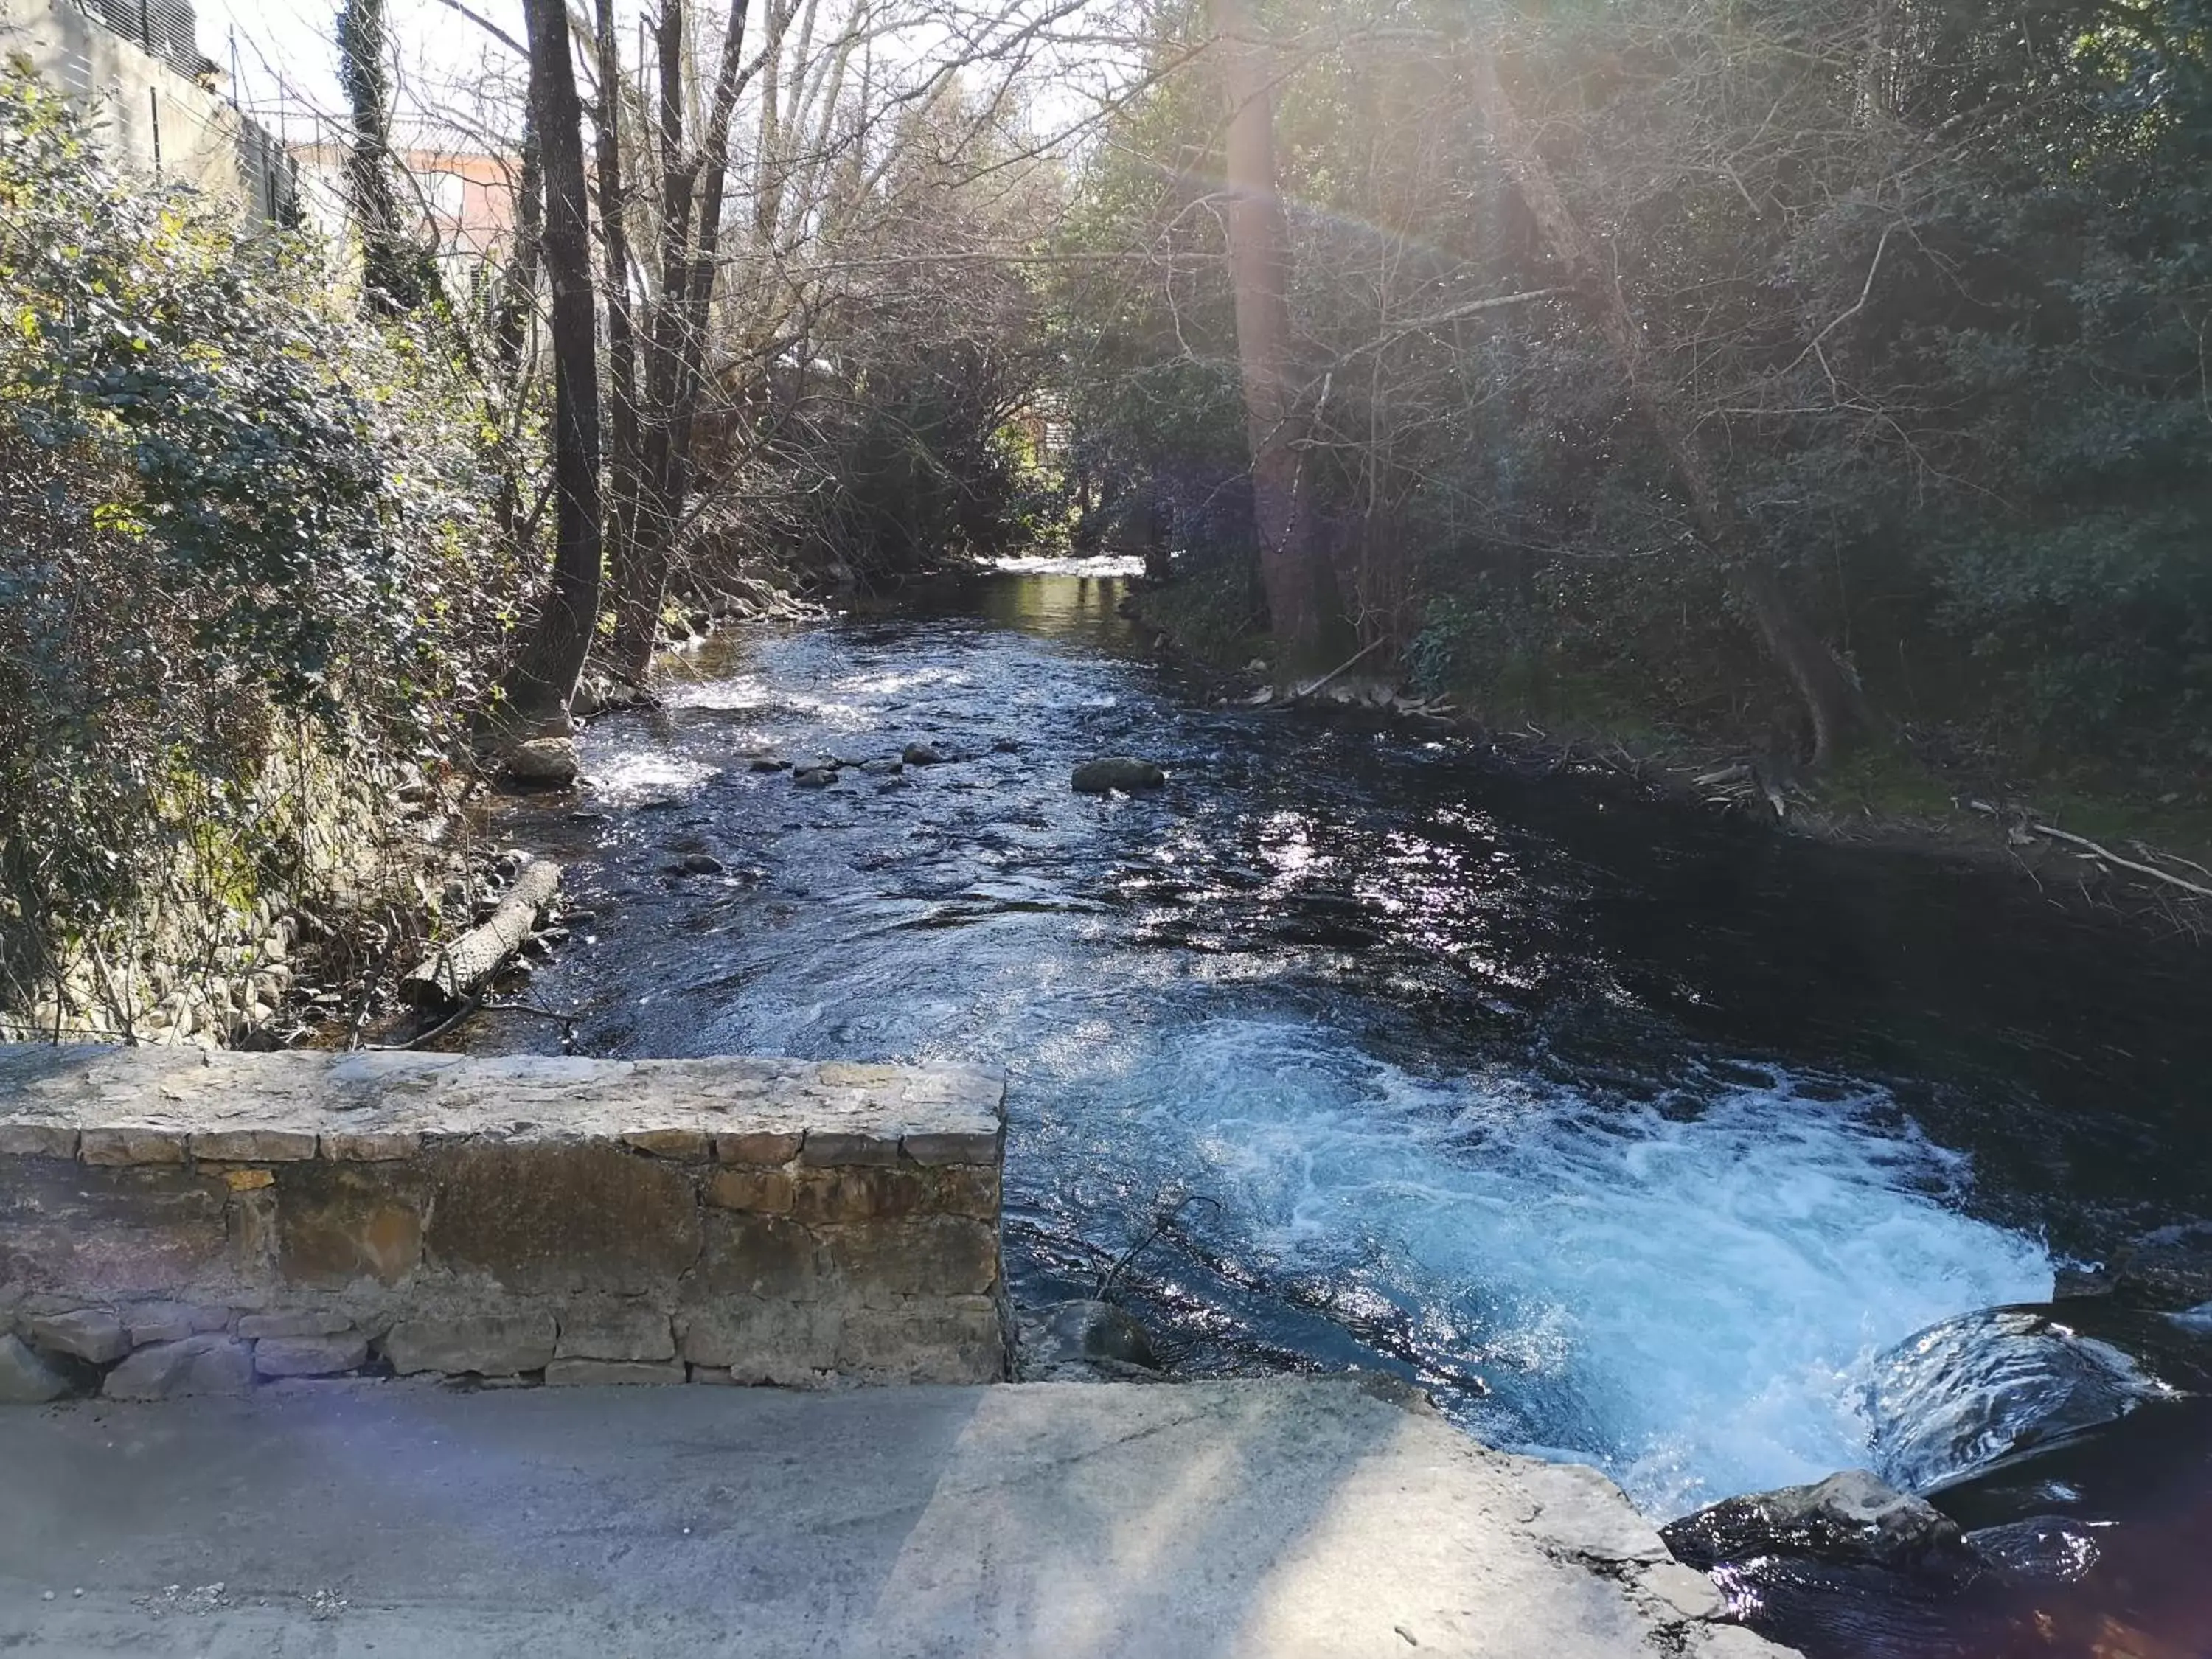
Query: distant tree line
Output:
(1814,371)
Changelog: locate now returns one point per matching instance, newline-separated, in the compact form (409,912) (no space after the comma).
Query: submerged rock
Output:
(814,777)
(696,864)
(1960,1396)
(1085,1339)
(1850,1519)
(2056,1549)
(2079,1284)
(1124,772)
(923,754)
(2170,1270)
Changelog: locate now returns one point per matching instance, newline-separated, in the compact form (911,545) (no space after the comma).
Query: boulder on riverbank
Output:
(1123,772)
(540,764)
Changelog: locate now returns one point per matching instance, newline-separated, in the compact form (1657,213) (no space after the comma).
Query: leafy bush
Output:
(235,522)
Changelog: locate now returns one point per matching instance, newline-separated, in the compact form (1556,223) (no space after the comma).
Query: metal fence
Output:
(168,29)
(271,176)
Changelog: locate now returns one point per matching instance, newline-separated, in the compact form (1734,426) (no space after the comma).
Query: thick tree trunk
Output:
(543,675)
(1292,566)
(1832,699)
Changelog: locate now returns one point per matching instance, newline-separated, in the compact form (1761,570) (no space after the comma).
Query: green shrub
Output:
(234,520)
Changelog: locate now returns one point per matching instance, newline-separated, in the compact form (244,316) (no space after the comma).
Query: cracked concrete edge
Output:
(1580,1517)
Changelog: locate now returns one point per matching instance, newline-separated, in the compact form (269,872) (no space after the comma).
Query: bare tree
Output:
(674,334)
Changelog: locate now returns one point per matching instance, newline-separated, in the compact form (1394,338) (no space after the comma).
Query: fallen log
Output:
(2112,857)
(454,972)
(1359,656)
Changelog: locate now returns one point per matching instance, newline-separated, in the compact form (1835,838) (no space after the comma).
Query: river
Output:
(1630,1131)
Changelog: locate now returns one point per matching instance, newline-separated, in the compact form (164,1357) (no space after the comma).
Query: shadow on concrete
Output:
(1269,1518)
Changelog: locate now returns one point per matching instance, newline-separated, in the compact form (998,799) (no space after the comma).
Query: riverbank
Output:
(2141,857)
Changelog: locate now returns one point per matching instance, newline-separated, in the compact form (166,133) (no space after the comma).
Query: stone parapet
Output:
(175,1222)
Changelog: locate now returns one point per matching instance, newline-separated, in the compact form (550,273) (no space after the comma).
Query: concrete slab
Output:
(130,1106)
(1279,1518)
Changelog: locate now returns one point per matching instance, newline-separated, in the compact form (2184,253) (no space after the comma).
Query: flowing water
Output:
(1632,1134)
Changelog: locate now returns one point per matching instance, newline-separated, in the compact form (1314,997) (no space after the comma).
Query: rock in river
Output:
(540,764)
(923,754)
(1124,772)
(1961,1395)
(814,777)
(1072,1341)
(1849,1519)
(2170,1269)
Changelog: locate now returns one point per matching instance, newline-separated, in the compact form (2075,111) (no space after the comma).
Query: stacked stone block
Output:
(175,1222)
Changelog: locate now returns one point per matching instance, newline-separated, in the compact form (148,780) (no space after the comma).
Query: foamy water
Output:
(1690,1298)
(1099,566)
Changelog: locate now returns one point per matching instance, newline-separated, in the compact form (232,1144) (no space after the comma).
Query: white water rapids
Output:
(1690,1300)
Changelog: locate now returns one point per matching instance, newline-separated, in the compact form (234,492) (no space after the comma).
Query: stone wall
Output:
(177,1222)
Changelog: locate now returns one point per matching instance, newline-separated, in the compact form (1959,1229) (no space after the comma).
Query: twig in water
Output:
(476,1003)
(1161,1222)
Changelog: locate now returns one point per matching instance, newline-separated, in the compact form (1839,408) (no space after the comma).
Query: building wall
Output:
(153,118)
(462,202)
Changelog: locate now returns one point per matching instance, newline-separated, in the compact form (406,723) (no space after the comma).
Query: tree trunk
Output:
(543,678)
(394,273)
(1832,700)
(692,185)
(510,329)
(627,460)
(1291,566)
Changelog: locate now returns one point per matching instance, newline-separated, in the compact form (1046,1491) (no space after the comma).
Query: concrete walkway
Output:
(1274,1519)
